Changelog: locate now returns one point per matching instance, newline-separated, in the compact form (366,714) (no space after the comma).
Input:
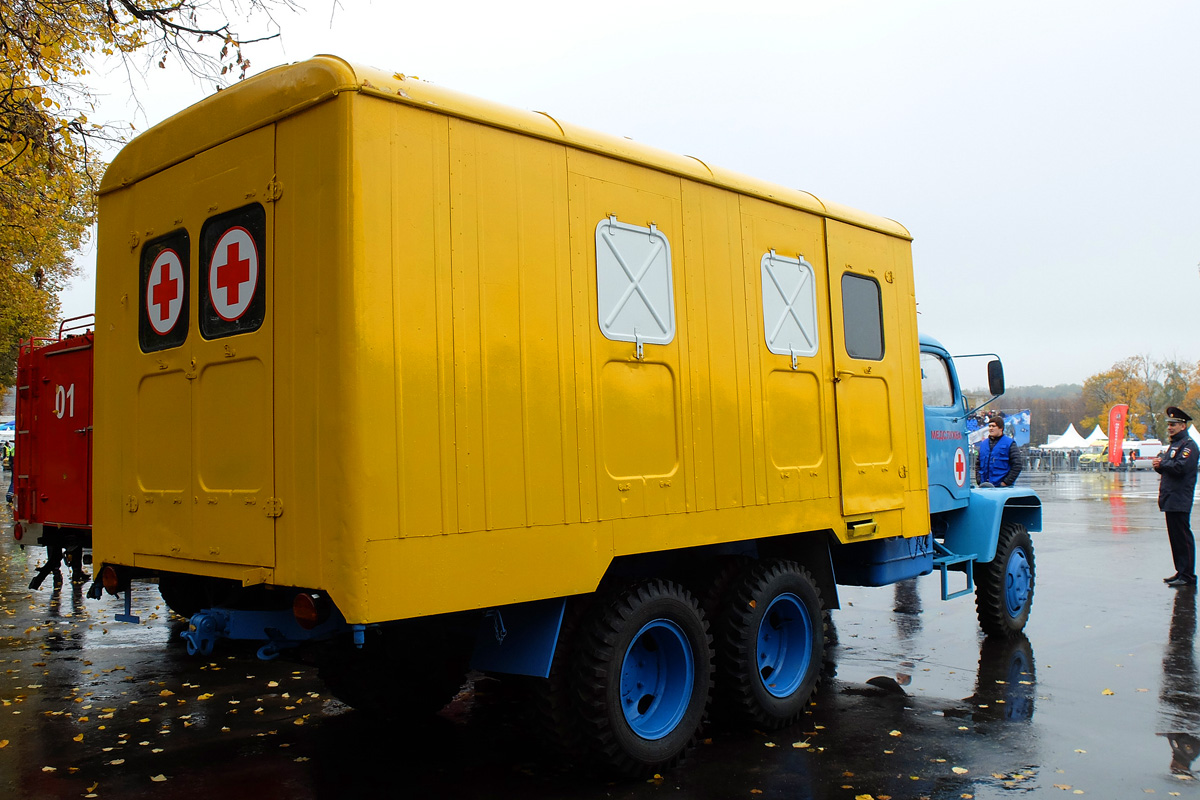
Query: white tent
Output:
(1068,441)
(1195,434)
(1096,437)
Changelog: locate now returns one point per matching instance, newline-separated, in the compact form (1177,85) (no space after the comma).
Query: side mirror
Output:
(995,372)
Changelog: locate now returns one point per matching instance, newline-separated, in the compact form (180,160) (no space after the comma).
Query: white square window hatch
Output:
(635,294)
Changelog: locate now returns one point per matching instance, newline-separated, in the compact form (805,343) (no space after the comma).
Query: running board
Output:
(944,560)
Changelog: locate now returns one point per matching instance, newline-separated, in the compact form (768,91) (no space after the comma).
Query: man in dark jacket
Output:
(1176,467)
(1000,460)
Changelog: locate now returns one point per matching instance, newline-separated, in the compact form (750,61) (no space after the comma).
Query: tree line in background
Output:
(51,150)
(1145,384)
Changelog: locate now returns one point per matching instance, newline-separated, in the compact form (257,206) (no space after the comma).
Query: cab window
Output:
(936,387)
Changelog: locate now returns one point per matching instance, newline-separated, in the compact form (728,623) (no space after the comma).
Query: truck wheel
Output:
(386,679)
(551,696)
(187,594)
(770,645)
(643,678)
(1004,586)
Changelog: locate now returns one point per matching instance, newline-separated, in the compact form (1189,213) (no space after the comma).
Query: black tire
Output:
(652,628)
(715,594)
(554,714)
(188,594)
(1004,585)
(407,670)
(770,645)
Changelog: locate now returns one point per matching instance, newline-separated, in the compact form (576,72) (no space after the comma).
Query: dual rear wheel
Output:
(645,664)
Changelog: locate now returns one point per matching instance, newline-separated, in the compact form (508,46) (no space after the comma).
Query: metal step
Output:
(943,560)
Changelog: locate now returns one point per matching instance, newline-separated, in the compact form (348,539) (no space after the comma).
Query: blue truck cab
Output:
(982,532)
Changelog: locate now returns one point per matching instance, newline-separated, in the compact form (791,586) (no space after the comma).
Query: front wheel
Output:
(643,677)
(1004,586)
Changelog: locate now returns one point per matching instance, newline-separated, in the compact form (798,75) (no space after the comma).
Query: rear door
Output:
(232,391)
(204,441)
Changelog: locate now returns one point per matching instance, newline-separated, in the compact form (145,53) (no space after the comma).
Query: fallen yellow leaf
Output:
(895,733)
(959,770)
(159,778)
(1108,691)
(3,742)
(78,738)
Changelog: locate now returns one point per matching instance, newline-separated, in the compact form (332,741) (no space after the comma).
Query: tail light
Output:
(310,609)
(110,580)
(18,531)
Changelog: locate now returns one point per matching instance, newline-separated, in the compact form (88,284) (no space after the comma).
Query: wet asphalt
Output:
(1101,698)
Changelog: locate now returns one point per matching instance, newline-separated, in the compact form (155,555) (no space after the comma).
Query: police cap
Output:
(1177,415)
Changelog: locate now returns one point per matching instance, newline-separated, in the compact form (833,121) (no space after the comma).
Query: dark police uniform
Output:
(1176,488)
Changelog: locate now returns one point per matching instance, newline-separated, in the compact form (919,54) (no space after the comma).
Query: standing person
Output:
(1176,467)
(1000,460)
(9,458)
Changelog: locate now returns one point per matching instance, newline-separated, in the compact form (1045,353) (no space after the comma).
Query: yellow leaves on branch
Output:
(51,153)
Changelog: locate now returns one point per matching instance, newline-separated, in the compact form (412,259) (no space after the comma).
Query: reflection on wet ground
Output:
(1099,698)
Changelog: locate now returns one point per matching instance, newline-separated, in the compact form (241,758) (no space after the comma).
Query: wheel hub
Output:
(656,679)
(1018,580)
(784,645)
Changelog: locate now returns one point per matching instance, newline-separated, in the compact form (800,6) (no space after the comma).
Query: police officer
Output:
(1177,468)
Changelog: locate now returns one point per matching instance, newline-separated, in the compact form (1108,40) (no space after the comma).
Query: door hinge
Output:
(273,507)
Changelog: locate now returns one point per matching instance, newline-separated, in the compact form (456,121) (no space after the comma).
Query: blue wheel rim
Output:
(657,675)
(1018,581)
(784,650)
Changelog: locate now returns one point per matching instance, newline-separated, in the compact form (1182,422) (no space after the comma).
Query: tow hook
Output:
(204,628)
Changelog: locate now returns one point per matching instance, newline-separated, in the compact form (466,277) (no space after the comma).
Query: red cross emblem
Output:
(164,292)
(233,273)
(960,467)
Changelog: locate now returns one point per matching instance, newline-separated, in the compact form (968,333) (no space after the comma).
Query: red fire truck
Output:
(53,461)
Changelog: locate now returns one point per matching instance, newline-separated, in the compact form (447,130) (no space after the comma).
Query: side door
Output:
(946,448)
(865,298)
(64,421)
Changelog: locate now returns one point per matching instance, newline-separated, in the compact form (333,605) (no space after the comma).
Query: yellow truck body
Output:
(430,414)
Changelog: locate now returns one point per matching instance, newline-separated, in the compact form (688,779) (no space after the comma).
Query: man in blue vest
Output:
(1176,467)
(1000,460)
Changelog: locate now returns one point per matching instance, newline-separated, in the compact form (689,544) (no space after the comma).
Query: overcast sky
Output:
(1044,155)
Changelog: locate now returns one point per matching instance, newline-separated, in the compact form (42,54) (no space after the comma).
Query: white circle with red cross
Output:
(164,292)
(960,467)
(233,273)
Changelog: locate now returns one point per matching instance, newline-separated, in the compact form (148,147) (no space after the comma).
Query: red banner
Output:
(1116,433)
